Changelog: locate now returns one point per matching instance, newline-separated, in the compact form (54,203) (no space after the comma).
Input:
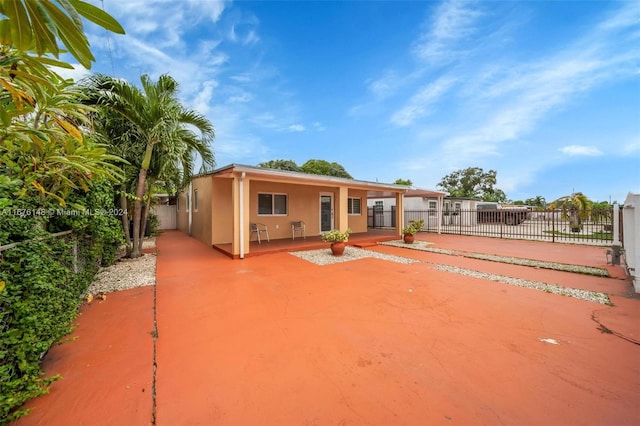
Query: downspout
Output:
(241,190)
(190,206)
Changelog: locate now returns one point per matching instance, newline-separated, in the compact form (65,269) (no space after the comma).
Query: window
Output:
(433,206)
(195,200)
(272,204)
(353,206)
(188,202)
(378,207)
(178,203)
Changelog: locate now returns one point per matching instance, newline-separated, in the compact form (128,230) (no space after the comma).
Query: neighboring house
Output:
(454,205)
(218,207)
(424,204)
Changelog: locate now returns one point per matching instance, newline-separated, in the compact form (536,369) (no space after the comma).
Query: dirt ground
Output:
(277,340)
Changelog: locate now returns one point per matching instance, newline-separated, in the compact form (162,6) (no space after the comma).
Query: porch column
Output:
(399,213)
(241,216)
(237,222)
(343,209)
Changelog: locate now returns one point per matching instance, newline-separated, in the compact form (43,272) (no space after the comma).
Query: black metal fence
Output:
(587,227)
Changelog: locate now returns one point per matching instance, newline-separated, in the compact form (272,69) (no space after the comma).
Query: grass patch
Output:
(604,236)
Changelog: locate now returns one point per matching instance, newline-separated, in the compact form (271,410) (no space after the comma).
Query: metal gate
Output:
(586,227)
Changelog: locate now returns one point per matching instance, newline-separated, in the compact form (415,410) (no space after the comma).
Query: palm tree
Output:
(162,127)
(576,207)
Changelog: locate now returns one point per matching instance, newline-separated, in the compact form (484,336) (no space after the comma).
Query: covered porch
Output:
(311,242)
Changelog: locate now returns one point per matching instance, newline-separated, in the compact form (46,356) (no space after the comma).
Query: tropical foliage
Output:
(414,227)
(155,123)
(473,182)
(314,167)
(40,25)
(336,236)
(575,207)
(323,167)
(406,182)
(288,165)
(53,175)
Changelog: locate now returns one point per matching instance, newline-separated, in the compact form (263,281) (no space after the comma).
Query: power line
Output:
(113,71)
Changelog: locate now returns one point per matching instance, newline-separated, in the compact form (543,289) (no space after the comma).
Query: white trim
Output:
(241,212)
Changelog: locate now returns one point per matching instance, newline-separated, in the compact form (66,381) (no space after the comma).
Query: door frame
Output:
(332,197)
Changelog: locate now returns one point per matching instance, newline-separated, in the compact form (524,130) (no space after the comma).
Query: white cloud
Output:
(420,103)
(319,127)
(202,101)
(77,73)
(296,128)
(453,21)
(631,147)
(581,150)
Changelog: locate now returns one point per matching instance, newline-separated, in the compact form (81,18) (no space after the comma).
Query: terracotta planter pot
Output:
(408,238)
(337,249)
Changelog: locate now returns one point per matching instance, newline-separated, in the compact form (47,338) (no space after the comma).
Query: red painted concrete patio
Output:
(276,340)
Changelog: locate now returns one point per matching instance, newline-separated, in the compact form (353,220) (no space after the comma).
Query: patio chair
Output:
(258,228)
(298,226)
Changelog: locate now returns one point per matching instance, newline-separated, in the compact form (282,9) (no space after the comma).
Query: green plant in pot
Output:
(337,240)
(411,230)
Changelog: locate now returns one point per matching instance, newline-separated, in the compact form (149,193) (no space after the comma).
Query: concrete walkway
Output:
(276,340)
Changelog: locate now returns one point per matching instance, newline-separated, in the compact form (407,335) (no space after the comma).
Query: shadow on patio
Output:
(311,242)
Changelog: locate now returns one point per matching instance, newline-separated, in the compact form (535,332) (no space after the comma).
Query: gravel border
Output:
(424,246)
(324,256)
(590,296)
(126,273)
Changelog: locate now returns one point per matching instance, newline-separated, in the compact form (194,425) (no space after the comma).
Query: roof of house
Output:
(420,192)
(375,189)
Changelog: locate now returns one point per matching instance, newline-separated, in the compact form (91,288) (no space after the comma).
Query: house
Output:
(219,206)
(418,203)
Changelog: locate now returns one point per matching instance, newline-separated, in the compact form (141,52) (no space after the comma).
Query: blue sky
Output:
(547,93)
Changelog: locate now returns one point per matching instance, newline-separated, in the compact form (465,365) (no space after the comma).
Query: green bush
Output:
(42,282)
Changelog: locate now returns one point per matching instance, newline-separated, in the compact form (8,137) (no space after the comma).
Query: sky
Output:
(546,93)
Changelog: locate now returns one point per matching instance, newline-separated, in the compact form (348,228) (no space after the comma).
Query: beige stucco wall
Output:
(201,224)
(222,210)
(358,222)
(182,217)
(304,204)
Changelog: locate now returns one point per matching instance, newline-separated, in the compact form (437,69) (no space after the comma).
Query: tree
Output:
(406,182)
(157,119)
(473,182)
(44,153)
(576,207)
(288,165)
(38,25)
(323,167)
(538,202)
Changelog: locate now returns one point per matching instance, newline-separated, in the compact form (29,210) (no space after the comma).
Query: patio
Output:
(278,340)
(311,242)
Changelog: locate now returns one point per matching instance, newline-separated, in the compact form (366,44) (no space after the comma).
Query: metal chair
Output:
(258,228)
(298,226)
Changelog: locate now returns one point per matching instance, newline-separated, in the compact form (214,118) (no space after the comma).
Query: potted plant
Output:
(410,231)
(337,240)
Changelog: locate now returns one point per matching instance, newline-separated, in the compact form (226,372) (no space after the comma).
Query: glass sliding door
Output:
(326,212)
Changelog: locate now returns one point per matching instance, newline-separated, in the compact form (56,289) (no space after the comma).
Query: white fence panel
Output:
(166,216)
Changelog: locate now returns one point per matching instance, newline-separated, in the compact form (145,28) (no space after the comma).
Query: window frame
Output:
(273,203)
(432,210)
(350,209)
